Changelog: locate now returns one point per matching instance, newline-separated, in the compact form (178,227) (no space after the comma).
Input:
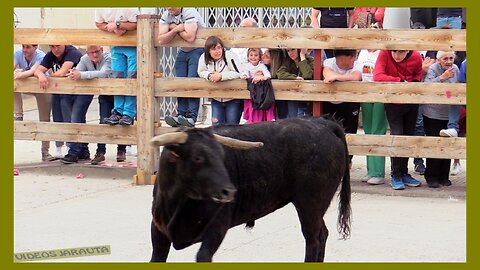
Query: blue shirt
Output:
(462,74)
(20,61)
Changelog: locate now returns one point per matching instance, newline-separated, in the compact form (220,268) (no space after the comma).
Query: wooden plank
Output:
(407,146)
(48,131)
(127,87)
(145,98)
(51,36)
(326,38)
(415,93)
(390,146)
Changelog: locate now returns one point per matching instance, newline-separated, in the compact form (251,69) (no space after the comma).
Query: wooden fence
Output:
(147,87)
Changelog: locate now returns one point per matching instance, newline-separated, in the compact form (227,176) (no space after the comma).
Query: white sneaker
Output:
(376,180)
(456,169)
(366,178)
(59,153)
(131,150)
(451,132)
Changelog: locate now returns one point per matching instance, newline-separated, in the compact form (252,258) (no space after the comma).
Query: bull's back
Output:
(298,156)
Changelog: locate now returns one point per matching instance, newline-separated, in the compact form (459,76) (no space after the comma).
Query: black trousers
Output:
(437,169)
(347,112)
(402,119)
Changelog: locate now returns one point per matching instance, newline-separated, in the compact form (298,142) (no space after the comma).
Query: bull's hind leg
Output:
(160,244)
(314,231)
(323,242)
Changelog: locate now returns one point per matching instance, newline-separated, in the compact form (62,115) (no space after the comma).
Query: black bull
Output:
(203,188)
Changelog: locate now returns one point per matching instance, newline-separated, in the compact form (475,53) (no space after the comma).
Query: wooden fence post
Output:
(146,59)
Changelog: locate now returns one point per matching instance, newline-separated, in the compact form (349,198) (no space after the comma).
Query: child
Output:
(257,71)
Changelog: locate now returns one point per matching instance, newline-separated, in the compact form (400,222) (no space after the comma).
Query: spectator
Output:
(242,52)
(400,66)
(423,18)
(215,65)
(124,59)
(449,16)
(366,17)
(183,22)
(332,18)
(257,72)
(98,64)
(446,60)
(59,60)
(343,67)
(373,118)
(25,62)
(273,59)
(462,78)
(435,117)
(298,65)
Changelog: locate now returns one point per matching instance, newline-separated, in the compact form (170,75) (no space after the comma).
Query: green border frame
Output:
(6,232)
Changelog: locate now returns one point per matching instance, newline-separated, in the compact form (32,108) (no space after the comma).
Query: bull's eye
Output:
(198,159)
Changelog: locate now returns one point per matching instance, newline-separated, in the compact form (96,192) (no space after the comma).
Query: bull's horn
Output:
(234,143)
(169,138)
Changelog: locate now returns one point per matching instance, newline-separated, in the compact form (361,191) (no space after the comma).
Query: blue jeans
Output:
(74,110)
(454,117)
(124,65)
(228,112)
(186,65)
(105,109)
(296,108)
(454,22)
(281,107)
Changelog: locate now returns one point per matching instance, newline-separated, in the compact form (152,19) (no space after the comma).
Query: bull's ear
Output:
(173,153)
(172,157)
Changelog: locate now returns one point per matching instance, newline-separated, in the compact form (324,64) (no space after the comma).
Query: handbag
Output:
(365,19)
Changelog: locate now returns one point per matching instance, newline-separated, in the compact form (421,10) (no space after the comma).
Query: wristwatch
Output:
(118,24)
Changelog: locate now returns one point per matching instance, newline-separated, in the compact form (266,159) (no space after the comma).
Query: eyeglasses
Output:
(94,52)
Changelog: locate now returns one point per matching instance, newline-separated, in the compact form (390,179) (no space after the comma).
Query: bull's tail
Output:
(345,211)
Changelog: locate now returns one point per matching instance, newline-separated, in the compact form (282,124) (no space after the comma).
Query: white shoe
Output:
(376,180)
(456,169)
(131,150)
(451,132)
(366,178)
(59,153)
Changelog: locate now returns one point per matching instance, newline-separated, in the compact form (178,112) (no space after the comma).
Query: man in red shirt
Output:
(400,66)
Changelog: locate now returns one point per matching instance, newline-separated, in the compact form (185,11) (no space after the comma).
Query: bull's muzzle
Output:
(225,195)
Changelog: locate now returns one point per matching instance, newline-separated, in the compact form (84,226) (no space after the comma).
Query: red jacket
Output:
(387,70)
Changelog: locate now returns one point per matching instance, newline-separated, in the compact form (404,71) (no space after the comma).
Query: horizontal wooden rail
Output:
(417,93)
(414,93)
(390,146)
(391,39)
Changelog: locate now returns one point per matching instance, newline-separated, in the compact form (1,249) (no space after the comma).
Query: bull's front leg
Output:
(160,244)
(212,240)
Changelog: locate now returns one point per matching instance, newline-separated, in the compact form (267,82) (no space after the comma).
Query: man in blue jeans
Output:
(60,60)
(95,64)
(184,22)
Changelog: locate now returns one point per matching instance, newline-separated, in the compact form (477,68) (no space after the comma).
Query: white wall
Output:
(80,18)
